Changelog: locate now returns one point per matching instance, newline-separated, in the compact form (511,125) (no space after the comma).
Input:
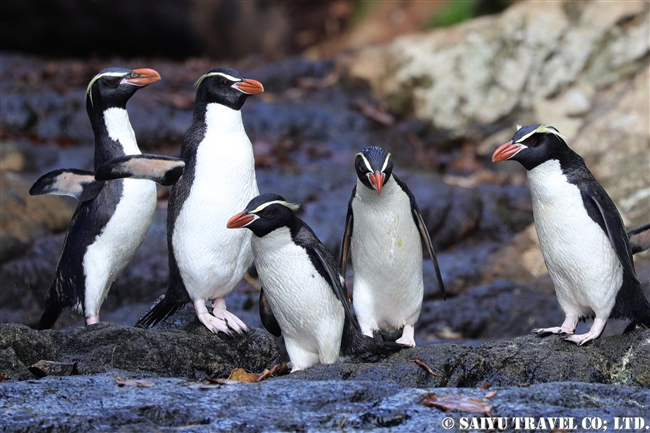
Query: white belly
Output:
(579,256)
(112,250)
(386,253)
(211,258)
(306,308)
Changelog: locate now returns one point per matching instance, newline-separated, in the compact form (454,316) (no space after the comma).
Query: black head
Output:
(225,86)
(374,167)
(113,87)
(533,145)
(265,213)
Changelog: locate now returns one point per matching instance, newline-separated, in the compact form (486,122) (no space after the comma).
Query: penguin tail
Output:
(49,316)
(632,304)
(159,312)
(355,343)
(58,298)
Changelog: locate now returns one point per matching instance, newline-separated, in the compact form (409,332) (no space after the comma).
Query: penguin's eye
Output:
(267,212)
(111,82)
(224,83)
(532,142)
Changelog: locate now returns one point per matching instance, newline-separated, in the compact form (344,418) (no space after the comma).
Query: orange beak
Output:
(376,180)
(507,151)
(143,77)
(250,87)
(242,219)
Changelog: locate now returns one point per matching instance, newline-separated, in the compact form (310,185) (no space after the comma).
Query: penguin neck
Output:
(224,119)
(114,135)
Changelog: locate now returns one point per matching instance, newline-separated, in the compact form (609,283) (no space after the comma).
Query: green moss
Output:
(453,13)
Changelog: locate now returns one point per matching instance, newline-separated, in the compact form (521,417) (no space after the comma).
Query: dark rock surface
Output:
(96,403)
(192,352)
(531,376)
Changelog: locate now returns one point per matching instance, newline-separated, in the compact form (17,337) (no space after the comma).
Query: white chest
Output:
(114,247)
(302,301)
(211,257)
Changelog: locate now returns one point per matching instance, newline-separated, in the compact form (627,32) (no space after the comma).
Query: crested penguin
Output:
(206,260)
(383,236)
(112,218)
(303,294)
(581,235)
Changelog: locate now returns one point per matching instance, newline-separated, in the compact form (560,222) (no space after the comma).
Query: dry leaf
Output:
(131,382)
(241,375)
(460,403)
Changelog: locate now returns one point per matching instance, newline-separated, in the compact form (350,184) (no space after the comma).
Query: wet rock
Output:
(500,309)
(193,352)
(81,403)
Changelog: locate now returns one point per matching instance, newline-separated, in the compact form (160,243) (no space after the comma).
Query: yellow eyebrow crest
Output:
(97,77)
(544,129)
(292,206)
(212,74)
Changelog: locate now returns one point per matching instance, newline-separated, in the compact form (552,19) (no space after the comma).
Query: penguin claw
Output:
(543,332)
(231,321)
(214,324)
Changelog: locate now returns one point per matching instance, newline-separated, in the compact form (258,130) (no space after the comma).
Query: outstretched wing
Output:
(80,184)
(347,236)
(164,170)
(424,233)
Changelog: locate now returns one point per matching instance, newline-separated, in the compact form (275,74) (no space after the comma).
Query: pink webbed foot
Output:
(596,329)
(568,328)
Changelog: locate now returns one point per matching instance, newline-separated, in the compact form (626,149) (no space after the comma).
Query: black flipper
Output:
(639,238)
(80,184)
(164,170)
(344,252)
(630,302)
(424,233)
(268,319)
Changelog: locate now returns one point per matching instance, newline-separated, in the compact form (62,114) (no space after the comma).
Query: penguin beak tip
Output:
(250,87)
(506,151)
(240,220)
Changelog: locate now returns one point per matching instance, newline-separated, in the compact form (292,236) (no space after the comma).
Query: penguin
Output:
(303,294)
(112,218)
(581,235)
(383,235)
(206,260)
